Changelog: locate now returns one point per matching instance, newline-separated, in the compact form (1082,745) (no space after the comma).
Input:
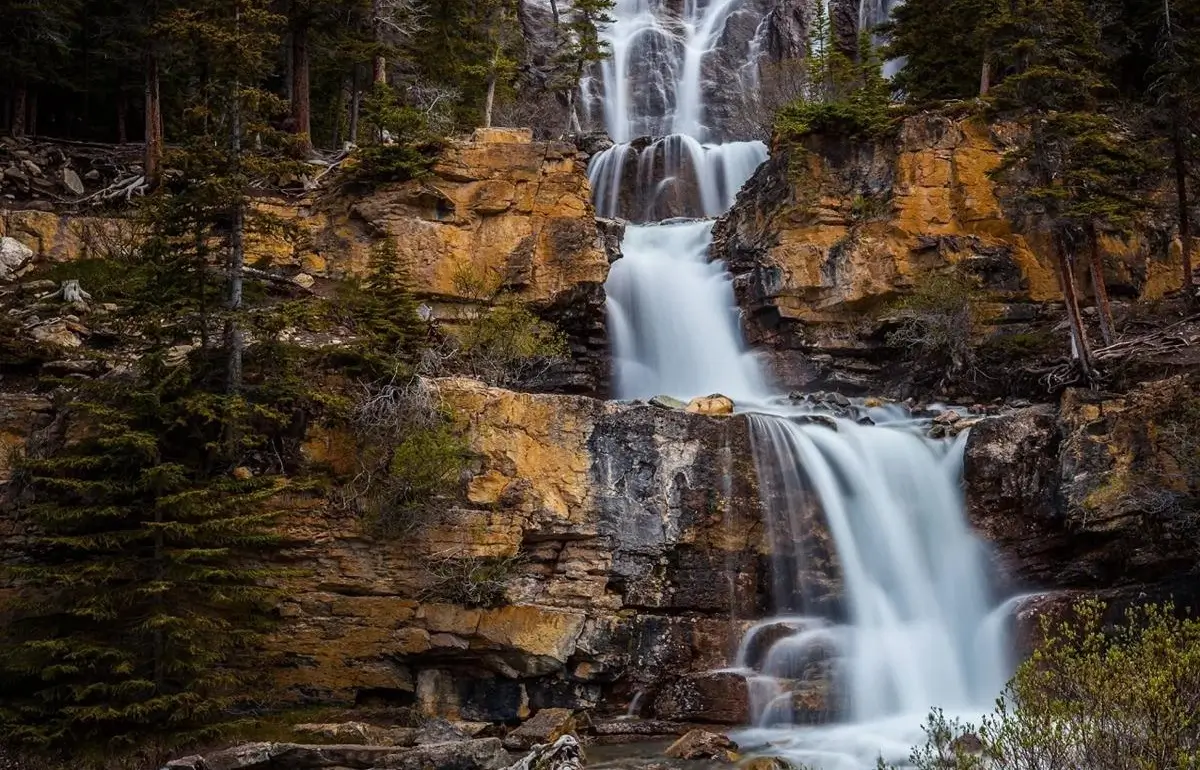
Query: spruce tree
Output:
(1077,167)
(140,594)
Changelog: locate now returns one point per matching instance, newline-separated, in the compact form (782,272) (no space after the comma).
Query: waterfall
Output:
(895,616)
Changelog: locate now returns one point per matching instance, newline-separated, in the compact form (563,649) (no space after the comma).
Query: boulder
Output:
(702,744)
(668,402)
(14,256)
(72,181)
(482,754)
(546,726)
(711,406)
(361,732)
(434,731)
(715,698)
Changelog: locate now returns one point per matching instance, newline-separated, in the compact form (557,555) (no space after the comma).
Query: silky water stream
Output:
(915,625)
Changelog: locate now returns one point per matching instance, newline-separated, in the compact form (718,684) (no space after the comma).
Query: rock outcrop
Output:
(634,536)
(1101,496)
(826,235)
(499,212)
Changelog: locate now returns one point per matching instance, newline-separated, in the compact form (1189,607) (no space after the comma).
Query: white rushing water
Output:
(913,626)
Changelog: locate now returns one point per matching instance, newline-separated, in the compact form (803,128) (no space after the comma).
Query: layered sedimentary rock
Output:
(498,212)
(636,549)
(828,233)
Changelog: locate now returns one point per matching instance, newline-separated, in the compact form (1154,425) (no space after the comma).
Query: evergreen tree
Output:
(944,47)
(141,598)
(1078,167)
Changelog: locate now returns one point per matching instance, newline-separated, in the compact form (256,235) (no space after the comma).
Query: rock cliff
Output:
(498,212)
(634,545)
(829,234)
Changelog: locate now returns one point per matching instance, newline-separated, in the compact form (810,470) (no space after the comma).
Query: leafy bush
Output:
(839,97)
(500,340)
(1089,697)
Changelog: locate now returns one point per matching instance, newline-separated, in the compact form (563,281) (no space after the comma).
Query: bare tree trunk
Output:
(554,12)
(154,125)
(1184,207)
(355,105)
(301,91)
(1096,265)
(379,62)
(33,113)
(20,101)
(1083,350)
(122,119)
(234,337)
(985,75)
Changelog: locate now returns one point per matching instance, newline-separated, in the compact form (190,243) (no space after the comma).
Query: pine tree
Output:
(944,48)
(1079,167)
(141,598)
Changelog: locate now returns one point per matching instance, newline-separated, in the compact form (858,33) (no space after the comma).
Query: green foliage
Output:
(944,44)
(509,344)
(140,598)
(409,458)
(841,97)
(1090,696)
(938,322)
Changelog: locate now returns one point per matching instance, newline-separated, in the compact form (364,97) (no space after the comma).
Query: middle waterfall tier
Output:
(676,176)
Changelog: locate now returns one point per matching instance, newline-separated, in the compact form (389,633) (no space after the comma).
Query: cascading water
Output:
(911,626)
(652,89)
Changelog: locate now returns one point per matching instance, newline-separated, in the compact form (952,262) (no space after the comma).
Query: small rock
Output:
(948,417)
(546,726)
(14,256)
(968,743)
(15,174)
(667,402)
(92,176)
(304,280)
(30,168)
(242,473)
(361,732)
(72,181)
(711,406)
(56,333)
(701,744)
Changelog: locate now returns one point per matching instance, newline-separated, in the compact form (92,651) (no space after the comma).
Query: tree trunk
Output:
(491,97)
(355,105)
(1083,350)
(379,62)
(122,119)
(234,337)
(985,76)
(1101,290)
(301,92)
(1183,203)
(20,99)
(154,124)
(33,113)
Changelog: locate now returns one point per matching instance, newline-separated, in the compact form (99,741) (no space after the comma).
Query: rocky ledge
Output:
(828,234)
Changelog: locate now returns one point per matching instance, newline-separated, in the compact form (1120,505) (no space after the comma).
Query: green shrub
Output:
(1089,697)
(500,339)
(409,460)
